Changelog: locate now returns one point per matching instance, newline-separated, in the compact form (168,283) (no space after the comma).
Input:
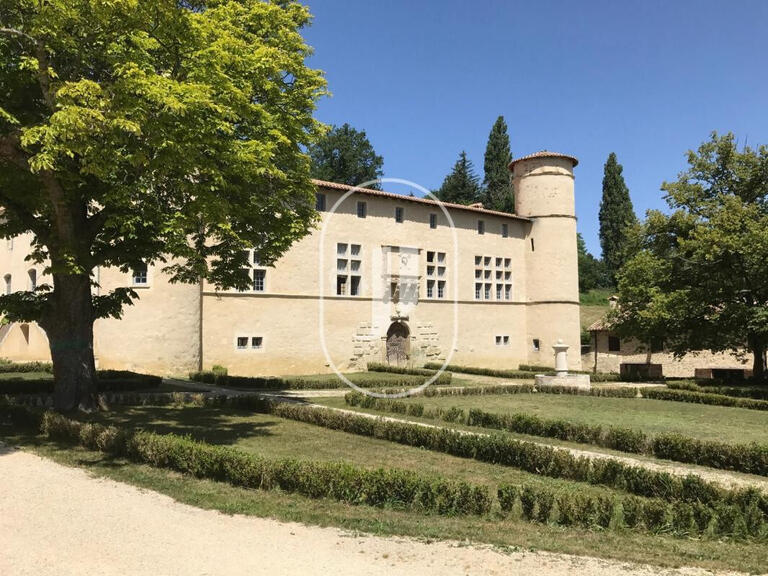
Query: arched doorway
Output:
(398,344)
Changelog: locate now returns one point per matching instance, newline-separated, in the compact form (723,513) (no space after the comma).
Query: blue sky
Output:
(647,79)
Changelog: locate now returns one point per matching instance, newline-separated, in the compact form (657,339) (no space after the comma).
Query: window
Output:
(498,291)
(341,249)
(441,257)
(614,344)
(32,273)
(341,285)
(507,275)
(487,293)
(441,288)
(478,260)
(481,227)
(478,291)
(478,273)
(507,292)
(341,264)
(430,256)
(498,340)
(536,345)
(7,279)
(498,262)
(502,340)
(507,262)
(319,202)
(354,265)
(399,214)
(259,277)
(362,209)
(430,270)
(433,221)
(506,340)
(498,274)
(140,275)
(487,261)
(441,270)
(355,249)
(242,342)
(354,287)
(487,274)
(257,342)
(505,231)
(430,288)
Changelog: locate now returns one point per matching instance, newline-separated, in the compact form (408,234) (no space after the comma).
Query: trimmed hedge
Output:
(704,398)
(310,383)
(393,487)
(749,458)
(743,391)
(569,508)
(525,371)
(528,456)
(18,367)
(108,381)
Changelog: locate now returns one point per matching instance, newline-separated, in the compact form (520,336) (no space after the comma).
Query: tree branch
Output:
(15,32)
(43,76)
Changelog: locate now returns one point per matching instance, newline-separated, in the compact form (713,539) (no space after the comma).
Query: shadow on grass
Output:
(215,425)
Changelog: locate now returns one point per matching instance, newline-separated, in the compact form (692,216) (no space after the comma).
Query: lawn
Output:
(735,425)
(274,437)
(26,376)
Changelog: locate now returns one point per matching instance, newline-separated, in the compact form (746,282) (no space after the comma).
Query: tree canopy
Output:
(591,270)
(497,185)
(345,155)
(699,276)
(616,216)
(461,186)
(137,132)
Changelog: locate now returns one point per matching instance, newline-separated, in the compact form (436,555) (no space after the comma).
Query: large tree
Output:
(138,131)
(497,185)
(461,186)
(616,216)
(591,270)
(345,155)
(699,275)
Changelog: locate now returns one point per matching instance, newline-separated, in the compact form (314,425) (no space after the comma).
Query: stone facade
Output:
(474,286)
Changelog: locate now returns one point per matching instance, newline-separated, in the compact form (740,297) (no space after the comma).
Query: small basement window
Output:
(536,344)
(242,342)
(257,342)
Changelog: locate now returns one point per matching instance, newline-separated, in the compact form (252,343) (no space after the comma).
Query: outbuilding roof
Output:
(544,154)
(402,198)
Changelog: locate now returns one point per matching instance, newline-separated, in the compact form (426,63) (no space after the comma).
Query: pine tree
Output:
(616,215)
(461,186)
(498,194)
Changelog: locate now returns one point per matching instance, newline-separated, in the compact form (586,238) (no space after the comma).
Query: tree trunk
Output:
(758,364)
(69,326)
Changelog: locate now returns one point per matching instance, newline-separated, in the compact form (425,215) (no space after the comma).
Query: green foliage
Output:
(108,381)
(461,185)
(25,367)
(749,458)
(699,275)
(744,390)
(314,383)
(592,272)
(497,185)
(444,378)
(165,133)
(345,155)
(528,456)
(704,398)
(616,216)
(393,488)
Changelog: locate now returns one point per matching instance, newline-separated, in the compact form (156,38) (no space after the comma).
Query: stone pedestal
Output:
(561,376)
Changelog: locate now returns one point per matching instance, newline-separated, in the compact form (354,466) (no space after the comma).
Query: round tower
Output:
(543,186)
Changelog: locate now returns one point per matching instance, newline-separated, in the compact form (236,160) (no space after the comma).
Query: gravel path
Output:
(60,521)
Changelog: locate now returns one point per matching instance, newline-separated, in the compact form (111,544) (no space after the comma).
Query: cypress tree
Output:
(461,186)
(345,155)
(498,194)
(616,215)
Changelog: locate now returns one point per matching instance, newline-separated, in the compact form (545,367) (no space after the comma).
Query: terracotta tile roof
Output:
(601,325)
(403,198)
(544,154)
